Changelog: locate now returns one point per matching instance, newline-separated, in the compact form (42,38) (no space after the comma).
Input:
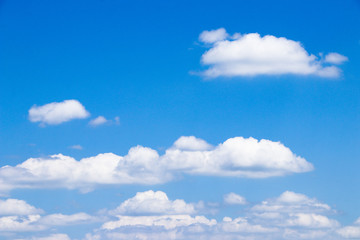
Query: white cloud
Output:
(236,157)
(151,202)
(292,216)
(290,202)
(213,35)
(57,112)
(233,198)
(59,219)
(191,143)
(335,58)
(19,224)
(17,207)
(241,225)
(352,232)
(166,221)
(36,222)
(100,120)
(56,236)
(311,220)
(251,55)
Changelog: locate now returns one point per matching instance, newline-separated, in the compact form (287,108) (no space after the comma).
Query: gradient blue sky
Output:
(135,60)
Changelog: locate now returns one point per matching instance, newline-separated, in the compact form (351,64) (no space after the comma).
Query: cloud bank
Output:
(153,215)
(252,55)
(289,216)
(236,157)
(58,112)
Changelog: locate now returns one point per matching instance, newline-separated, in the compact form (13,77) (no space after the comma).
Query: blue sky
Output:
(228,119)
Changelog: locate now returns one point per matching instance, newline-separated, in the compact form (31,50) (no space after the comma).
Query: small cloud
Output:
(213,35)
(335,58)
(76,147)
(100,120)
(234,199)
(57,112)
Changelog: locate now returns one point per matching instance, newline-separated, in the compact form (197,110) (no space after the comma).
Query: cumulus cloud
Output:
(17,207)
(236,157)
(252,55)
(233,198)
(291,216)
(100,120)
(58,112)
(151,202)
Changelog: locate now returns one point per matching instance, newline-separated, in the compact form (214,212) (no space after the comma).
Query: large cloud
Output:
(236,157)
(289,216)
(251,55)
(57,112)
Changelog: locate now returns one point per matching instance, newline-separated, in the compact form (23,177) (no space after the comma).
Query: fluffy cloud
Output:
(151,215)
(100,120)
(233,198)
(352,232)
(251,55)
(151,202)
(290,202)
(36,222)
(289,216)
(20,223)
(236,157)
(57,112)
(17,207)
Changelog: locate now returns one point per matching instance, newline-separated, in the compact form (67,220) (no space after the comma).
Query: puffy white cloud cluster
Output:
(289,216)
(236,157)
(352,232)
(251,55)
(58,112)
(19,216)
(152,215)
(17,207)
